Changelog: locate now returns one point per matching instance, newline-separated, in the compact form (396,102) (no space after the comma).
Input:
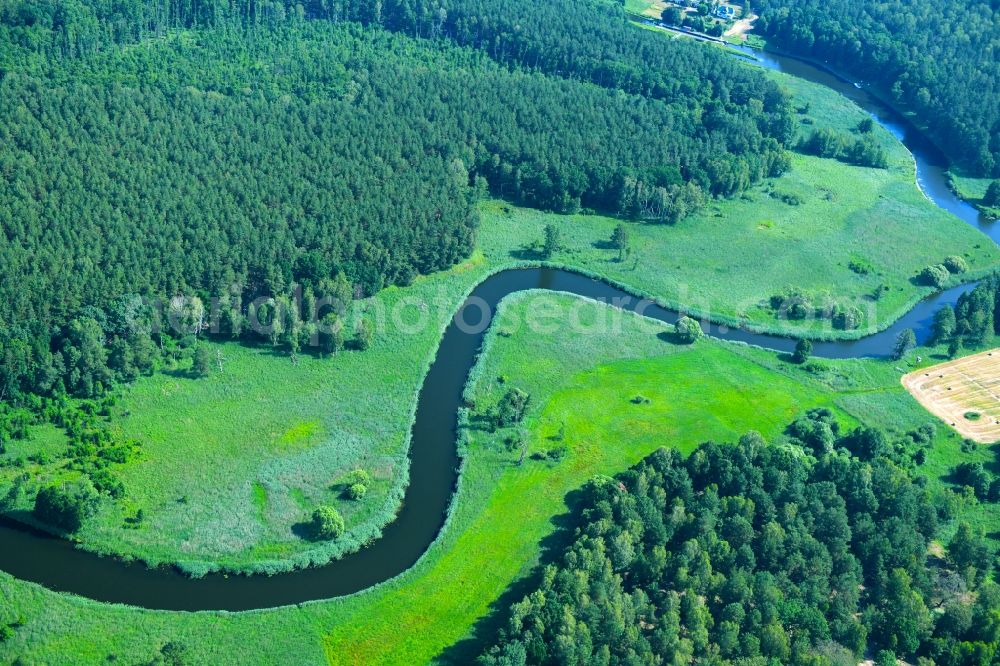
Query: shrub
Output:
(202,366)
(790,198)
(803,349)
(846,318)
(556,454)
(66,506)
(860,266)
(687,330)
(794,304)
(992,197)
(357,491)
(107,483)
(358,476)
(934,276)
(326,523)
(510,411)
(956,264)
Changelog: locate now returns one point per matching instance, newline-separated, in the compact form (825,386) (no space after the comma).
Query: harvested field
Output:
(965,393)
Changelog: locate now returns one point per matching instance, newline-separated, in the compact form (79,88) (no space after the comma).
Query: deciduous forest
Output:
(940,60)
(803,552)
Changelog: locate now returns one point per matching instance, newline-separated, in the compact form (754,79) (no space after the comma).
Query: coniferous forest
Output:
(243,150)
(940,60)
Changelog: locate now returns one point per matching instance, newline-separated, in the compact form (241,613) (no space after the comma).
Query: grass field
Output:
(973,190)
(231,463)
(645,8)
(963,393)
(581,380)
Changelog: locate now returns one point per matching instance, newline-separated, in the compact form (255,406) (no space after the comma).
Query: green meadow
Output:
(232,464)
(582,380)
(973,190)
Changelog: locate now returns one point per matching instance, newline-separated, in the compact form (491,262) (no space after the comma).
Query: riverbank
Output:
(973,189)
(969,189)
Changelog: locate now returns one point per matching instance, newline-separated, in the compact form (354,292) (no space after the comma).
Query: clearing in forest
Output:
(964,392)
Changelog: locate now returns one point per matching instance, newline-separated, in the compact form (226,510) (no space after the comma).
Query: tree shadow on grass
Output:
(178,373)
(527,254)
(484,632)
(673,338)
(304,531)
(481,423)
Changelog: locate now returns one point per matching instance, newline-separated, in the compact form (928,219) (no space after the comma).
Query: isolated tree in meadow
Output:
(364,334)
(803,349)
(687,330)
(326,523)
(866,125)
(905,341)
(511,408)
(357,491)
(944,325)
(358,476)
(992,197)
(202,366)
(552,242)
(934,276)
(619,241)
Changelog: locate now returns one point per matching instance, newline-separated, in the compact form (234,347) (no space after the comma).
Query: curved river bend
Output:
(55,563)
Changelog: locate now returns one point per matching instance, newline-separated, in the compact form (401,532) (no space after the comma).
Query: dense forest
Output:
(810,551)
(270,149)
(973,320)
(939,59)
